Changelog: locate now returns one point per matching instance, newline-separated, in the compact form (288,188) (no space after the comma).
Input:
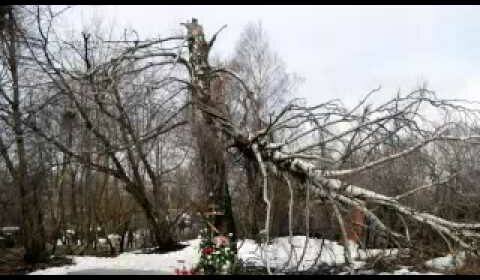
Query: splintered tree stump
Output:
(210,140)
(355,225)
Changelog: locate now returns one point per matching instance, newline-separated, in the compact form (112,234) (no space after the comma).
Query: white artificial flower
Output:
(226,266)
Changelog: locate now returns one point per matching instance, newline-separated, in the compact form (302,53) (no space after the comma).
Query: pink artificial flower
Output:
(221,240)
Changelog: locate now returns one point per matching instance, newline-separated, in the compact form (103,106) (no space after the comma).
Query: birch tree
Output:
(321,151)
(263,71)
(364,127)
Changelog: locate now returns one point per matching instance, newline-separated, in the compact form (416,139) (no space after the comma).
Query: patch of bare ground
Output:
(471,267)
(415,261)
(11,262)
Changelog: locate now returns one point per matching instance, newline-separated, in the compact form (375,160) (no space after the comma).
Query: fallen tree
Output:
(322,148)
(367,128)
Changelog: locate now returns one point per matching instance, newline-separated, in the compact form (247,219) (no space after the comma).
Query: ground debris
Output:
(11,262)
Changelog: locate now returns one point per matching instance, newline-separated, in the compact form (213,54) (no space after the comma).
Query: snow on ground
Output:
(161,263)
(449,262)
(406,271)
(318,251)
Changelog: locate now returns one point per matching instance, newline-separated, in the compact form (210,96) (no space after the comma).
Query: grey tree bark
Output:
(34,238)
(210,141)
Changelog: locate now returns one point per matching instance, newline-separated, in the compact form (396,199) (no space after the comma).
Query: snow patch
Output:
(448,262)
(162,263)
(318,251)
(282,253)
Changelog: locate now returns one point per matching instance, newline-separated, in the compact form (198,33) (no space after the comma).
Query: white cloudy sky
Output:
(341,51)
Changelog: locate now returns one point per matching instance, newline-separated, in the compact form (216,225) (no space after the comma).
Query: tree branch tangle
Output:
(315,143)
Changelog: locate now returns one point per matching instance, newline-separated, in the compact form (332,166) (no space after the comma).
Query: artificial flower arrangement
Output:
(216,255)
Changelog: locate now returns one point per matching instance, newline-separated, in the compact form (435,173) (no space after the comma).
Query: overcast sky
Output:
(341,51)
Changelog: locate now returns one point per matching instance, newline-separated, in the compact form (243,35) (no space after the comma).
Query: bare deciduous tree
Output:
(14,83)
(265,73)
(121,105)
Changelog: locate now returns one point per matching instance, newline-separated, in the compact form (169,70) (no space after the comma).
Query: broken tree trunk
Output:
(355,225)
(260,147)
(210,140)
(277,161)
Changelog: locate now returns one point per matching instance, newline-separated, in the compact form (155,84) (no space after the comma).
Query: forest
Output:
(128,155)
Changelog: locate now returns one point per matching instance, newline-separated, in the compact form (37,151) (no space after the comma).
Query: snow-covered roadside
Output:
(249,252)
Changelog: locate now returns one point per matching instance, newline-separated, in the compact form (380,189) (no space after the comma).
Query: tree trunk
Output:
(73,199)
(159,227)
(256,205)
(32,227)
(210,141)
(124,234)
(355,225)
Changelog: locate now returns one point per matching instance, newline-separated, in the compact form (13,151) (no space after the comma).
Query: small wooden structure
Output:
(213,213)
